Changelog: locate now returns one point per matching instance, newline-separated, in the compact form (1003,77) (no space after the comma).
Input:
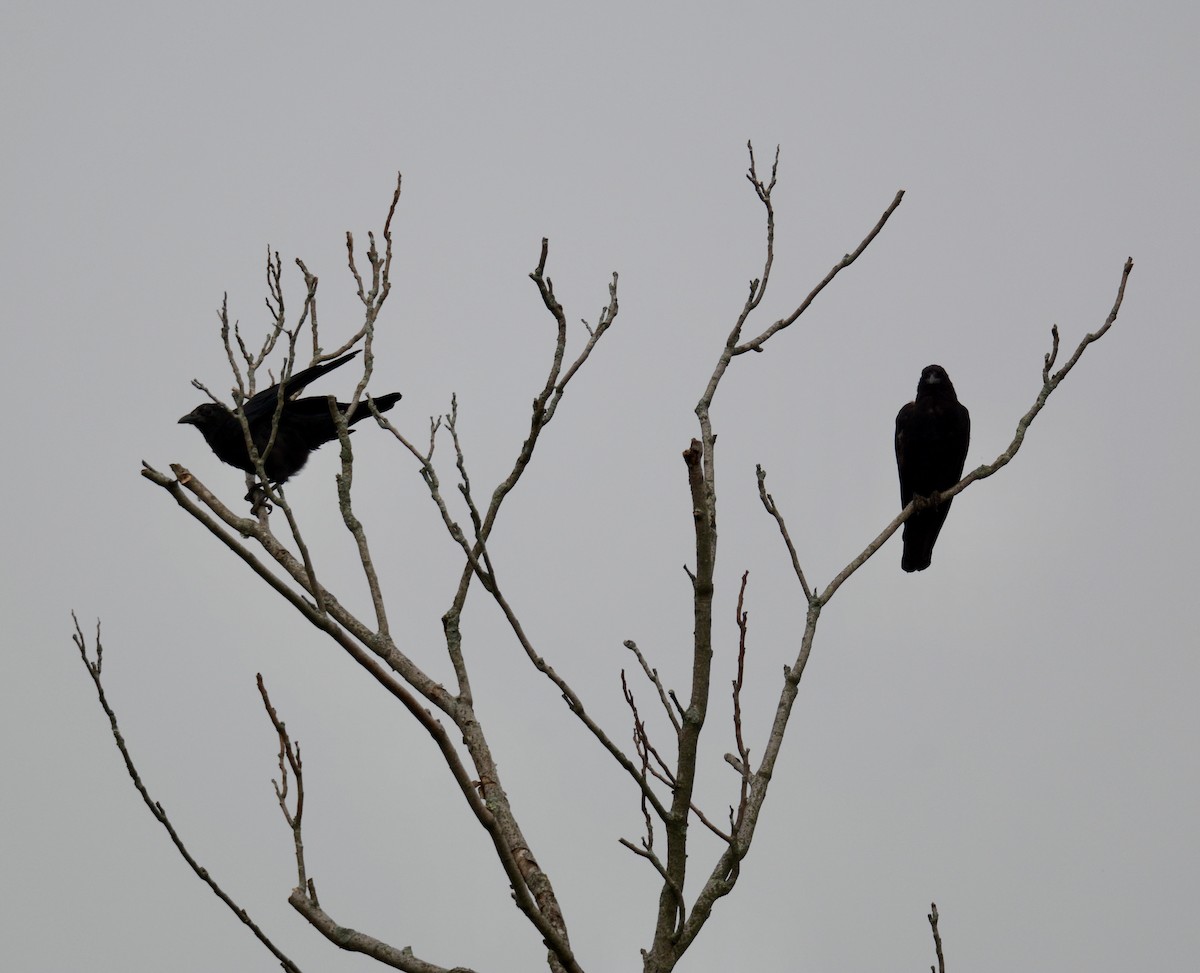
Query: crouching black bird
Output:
(304,424)
(932,433)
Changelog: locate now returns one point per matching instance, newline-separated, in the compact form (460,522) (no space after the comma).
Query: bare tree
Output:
(662,775)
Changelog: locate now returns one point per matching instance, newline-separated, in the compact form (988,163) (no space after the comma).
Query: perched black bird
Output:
(304,424)
(932,433)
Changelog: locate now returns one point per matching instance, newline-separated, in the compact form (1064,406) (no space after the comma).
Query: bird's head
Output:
(206,416)
(934,379)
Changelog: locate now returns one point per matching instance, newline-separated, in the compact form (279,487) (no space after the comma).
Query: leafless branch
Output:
(464,488)
(743,620)
(289,757)
(937,939)
(345,480)
(666,946)
(652,675)
(647,852)
(755,344)
(478,562)
(371,647)
(1049,384)
(643,750)
(607,315)
(544,406)
(310,307)
(358,942)
(1052,355)
(372,300)
(703,819)
(720,879)
(471,761)
(758,289)
(670,940)
(570,697)
(156,809)
(768,502)
(304,898)
(363,646)
(724,872)
(260,487)
(641,740)
(675,699)
(669,943)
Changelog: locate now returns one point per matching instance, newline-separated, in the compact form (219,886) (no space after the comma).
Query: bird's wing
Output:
(962,438)
(903,424)
(263,403)
(310,421)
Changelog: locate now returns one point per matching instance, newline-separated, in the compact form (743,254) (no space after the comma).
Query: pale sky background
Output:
(1012,733)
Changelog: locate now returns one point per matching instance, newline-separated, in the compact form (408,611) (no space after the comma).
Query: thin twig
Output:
(755,344)
(289,757)
(677,893)
(642,748)
(345,480)
(743,620)
(464,488)
(652,675)
(772,508)
(641,739)
(570,697)
(932,916)
(372,300)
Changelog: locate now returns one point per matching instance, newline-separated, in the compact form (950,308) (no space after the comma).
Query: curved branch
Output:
(354,941)
(1049,384)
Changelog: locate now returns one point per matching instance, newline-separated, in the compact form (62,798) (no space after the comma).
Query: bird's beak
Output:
(191,419)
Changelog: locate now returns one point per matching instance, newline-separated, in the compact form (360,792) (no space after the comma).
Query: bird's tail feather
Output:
(382,403)
(385,402)
(920,534)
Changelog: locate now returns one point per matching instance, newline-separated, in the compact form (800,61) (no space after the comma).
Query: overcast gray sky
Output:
(1012,733)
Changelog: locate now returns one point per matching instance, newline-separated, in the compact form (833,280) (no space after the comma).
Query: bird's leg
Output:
(258,500)
(931,502)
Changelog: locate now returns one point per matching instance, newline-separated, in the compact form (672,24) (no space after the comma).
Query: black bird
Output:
(304,424)
(932,434)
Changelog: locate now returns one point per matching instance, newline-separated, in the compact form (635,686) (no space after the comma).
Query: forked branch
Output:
(289,761)
(672,938)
